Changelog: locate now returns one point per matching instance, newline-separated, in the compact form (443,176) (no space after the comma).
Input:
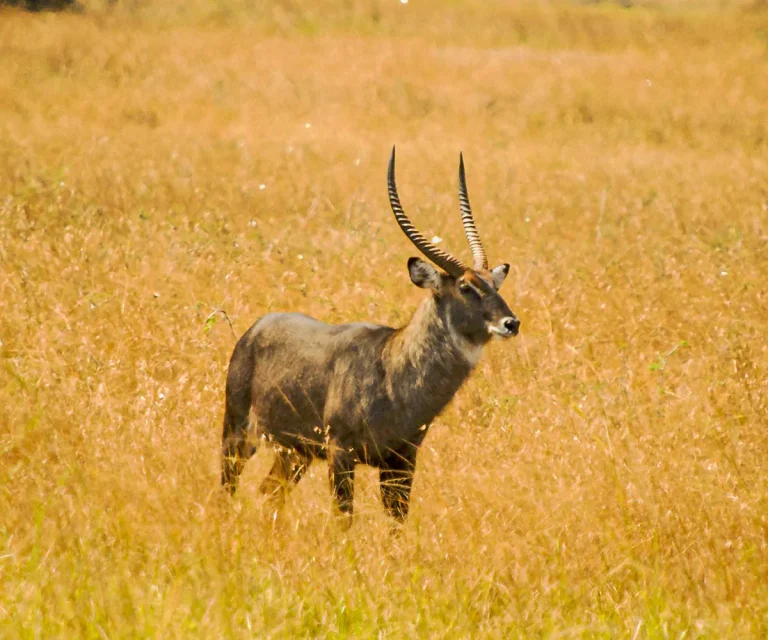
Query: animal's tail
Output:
(236,447)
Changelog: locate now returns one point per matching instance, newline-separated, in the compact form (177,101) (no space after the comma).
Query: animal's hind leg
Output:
(287,470)
(341,472)
(236,449)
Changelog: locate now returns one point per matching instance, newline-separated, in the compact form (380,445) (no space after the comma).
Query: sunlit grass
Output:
(600,476)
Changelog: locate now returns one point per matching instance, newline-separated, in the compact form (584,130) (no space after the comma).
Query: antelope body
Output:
(358,392)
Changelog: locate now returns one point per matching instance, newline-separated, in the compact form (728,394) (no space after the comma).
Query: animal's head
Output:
(469,297)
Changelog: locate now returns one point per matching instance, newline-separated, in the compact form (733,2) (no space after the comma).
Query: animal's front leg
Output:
(395,479)
(341,469)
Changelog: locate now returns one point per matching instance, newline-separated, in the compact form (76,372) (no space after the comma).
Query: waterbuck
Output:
(358,392)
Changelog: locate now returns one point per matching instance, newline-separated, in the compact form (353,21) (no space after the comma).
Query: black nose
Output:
(512,325)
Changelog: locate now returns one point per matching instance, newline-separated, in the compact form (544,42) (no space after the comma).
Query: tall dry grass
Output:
(601,476)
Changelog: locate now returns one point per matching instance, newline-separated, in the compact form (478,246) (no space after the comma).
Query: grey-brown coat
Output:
(363,393)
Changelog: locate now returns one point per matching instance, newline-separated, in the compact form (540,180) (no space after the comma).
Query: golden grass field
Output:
(603,475)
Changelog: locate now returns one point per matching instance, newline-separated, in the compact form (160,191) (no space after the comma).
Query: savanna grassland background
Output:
(168,166)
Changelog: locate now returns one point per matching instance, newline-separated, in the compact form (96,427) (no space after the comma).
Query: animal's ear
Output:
(423,274)
(499,274)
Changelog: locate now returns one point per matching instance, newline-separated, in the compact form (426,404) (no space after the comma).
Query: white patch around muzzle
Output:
(506,327)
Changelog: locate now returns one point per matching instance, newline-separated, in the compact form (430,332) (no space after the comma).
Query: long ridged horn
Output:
(440,258)
(479,259)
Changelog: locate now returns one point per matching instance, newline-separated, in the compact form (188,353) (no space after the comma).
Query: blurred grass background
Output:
(603,475)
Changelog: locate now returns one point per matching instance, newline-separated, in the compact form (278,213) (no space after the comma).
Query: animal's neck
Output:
(427,354)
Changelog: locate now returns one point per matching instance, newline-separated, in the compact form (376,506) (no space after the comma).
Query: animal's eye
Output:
(465,288)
